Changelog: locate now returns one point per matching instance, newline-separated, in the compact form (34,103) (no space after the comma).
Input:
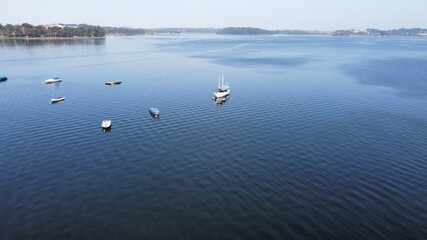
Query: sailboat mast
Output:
(222,83)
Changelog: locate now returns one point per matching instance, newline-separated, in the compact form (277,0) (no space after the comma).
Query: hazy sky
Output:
(269,14)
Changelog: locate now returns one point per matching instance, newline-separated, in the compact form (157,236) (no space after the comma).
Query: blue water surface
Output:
(321,138)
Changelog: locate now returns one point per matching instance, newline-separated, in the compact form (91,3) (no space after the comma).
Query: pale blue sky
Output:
(269,14)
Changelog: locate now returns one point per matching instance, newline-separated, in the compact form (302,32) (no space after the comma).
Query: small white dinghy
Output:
(57,99)
(53,80)
(154,112)
(106,124)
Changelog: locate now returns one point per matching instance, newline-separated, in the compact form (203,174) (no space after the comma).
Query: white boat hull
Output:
(51,81)
(106,124)
(222,94)
(55,100)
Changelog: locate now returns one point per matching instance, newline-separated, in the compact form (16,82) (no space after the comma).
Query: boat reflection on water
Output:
(106,130)
(219,102)
(55,84)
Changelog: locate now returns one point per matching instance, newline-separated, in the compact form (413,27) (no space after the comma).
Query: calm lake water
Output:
(321,138)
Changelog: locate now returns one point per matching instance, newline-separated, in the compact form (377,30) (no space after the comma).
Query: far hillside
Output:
(244,31)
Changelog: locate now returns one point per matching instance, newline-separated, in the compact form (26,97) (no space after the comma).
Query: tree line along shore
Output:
(54,31)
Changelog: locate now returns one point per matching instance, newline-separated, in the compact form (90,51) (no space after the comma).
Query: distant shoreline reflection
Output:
(45,42)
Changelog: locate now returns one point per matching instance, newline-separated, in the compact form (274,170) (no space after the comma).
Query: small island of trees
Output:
(27,30)
(244,31)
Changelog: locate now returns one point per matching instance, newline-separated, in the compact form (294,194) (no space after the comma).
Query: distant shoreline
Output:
(48,38)
(27,31)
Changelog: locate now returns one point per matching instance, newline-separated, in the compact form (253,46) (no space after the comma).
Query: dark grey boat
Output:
(154,112)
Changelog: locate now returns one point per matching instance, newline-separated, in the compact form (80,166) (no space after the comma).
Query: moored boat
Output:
(154,112)
(113,83)
(222,90)
(53,80)
(106,124)
(57,99)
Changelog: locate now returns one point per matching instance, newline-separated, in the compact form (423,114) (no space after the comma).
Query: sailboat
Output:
(223,90)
